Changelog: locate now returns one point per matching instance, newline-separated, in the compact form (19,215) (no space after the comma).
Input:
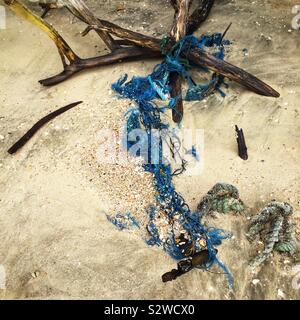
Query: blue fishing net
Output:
(123,221)
(144,91)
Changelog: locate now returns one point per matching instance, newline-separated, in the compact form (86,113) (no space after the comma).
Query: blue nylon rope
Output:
(147,115)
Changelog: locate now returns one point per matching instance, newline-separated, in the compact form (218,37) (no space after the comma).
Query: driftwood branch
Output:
(198,57)
(136,38)
(80,10)
(149,47)
(199,15)
(64,49)
(178,31)
(72,63)
(242,148)
(197,260)
(32,131)
(119,55)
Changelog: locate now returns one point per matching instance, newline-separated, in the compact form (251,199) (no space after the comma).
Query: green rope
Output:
(222,198)
(273,227)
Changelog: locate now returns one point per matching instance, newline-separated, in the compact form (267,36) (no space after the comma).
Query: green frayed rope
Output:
(222,198)
(273,227)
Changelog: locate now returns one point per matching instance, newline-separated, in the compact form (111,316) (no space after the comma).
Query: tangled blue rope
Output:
(147,115)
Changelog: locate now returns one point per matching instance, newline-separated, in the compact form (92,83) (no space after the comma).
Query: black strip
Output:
(242,148)
(30,133)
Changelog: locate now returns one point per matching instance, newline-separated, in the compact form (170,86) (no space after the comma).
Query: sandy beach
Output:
(55,239)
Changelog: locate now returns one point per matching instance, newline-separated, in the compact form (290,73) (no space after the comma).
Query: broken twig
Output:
(197,260)
(30,133)
(242,148)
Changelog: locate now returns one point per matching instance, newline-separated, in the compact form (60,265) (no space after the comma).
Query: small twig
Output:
(46,10)
(30,133)
(47,7)
(225,32)
(242,148)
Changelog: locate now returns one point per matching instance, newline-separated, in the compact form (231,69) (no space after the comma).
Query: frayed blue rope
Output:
(143,90)
(123,221)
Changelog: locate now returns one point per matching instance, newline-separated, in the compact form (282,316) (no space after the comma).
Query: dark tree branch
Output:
(176,92)
(199,15)
(46,10)
(200,58)
(196,55)
(177,32)
(226,69)
(242,148)
(135,37)
(119,55)
(80,10)
(32,131)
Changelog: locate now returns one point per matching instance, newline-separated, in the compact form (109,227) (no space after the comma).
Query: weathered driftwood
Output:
(37,126)
(199,259)
(177,32)
(199,15)
(138,46)
(80,10)
(72,63)
(242,148)
(119,55)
